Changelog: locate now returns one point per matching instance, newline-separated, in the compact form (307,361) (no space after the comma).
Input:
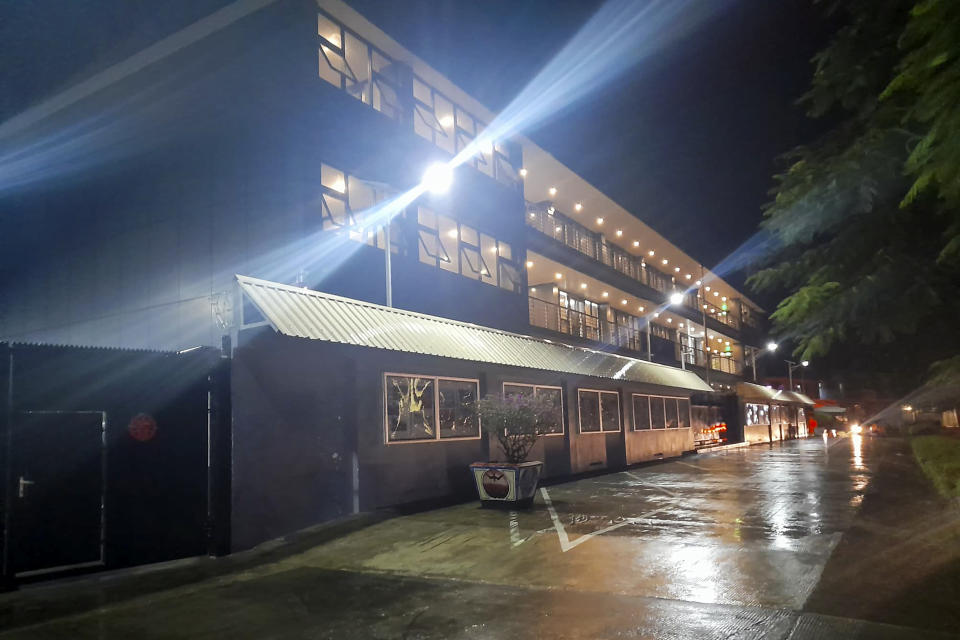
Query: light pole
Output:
(753,351)
(437,180)
(794,365)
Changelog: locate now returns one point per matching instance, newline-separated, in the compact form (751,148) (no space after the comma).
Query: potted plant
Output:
(516,421)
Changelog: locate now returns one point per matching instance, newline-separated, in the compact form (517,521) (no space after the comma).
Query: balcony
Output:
(545,219)
(663,345)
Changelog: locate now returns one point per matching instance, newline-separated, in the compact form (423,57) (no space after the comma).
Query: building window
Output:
(599,410)
(683,412)
(429,408)
(343,203)
(349,63)
(641,412)
(660,412)
(657,415)
(757,414)
(553,396)
(445,243)
(458,408)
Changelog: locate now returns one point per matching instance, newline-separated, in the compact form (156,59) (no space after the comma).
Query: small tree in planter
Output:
(516,422)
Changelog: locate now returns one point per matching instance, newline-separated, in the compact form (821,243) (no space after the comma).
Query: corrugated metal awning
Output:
(309,314)
(757,393)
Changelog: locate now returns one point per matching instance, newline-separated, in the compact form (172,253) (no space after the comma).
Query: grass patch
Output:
(939,457)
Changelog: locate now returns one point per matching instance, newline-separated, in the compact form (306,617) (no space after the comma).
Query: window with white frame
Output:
(458,248)
(429,408)
(553,396)
(344,201)
(599,411)
(660,412)
(757,414)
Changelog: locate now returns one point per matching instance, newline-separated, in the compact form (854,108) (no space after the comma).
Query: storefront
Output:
(770,415)
(341,406)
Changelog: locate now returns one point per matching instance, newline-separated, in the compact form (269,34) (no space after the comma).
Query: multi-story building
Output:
(257,140)
(274,140)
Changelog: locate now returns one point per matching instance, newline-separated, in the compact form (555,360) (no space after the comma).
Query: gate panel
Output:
(58,462)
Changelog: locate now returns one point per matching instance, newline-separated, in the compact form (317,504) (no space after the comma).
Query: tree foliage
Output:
(516,421)
(868,216)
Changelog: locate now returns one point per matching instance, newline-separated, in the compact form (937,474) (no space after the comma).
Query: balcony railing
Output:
(594,246)
(549,315)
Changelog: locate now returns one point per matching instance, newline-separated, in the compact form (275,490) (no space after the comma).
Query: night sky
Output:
(688,141)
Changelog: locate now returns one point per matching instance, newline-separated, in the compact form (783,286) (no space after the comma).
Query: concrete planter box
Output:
(506,484)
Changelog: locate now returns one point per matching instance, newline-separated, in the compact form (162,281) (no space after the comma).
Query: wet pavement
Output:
(722,545)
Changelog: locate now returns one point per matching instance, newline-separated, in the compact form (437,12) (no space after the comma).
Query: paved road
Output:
(723,545)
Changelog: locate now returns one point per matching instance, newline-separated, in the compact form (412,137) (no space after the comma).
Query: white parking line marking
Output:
(565,544)
(515,530)
(650,484)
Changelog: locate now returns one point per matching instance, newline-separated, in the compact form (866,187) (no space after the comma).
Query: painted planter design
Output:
(506,483)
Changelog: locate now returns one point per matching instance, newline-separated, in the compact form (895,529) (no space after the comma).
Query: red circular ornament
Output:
(142,427)
(495,483)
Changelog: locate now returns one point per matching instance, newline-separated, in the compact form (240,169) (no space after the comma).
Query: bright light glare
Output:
(805,363)
(772,346)
(676,297)
(856,428)
(437,178)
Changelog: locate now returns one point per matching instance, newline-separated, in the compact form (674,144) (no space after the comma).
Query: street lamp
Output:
(771,347)
(794,365)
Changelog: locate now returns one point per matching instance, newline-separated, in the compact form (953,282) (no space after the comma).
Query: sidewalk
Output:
(45,601)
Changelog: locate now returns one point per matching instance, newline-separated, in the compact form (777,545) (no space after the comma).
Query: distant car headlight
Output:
(856,428)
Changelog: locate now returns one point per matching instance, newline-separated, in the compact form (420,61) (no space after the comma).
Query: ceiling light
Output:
(640,308)
(623,301)
(583,285)
(605,294)
(636,243)
(676,269)
(599,220)
(669,319)
(650,253)
(680,325)
(656,315)
(688,276)
(529,263)
(619,232)
(558,228)
(664,261)
(676,298)
(533,215)
(523,173)
(724,298)
(553,191)
(698,283)
(707,287)
(578,207)
(533,289)
(716,293)
(558,276)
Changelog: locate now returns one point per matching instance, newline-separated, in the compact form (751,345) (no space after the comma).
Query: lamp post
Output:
(794,365)
(753,351)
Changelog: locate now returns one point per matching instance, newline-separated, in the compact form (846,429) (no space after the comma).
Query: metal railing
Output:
(552,316)
(546,220)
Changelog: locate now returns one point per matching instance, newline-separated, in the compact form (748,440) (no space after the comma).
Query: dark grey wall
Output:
(157,190)
(302,408)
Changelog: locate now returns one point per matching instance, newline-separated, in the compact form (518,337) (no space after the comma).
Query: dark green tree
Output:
(867,217)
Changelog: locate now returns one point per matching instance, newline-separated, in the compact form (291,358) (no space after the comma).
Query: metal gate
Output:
(59,471)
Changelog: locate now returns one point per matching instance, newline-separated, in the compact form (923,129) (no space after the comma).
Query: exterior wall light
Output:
(438,177)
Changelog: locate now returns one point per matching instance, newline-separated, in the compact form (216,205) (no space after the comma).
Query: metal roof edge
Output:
(250,280)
